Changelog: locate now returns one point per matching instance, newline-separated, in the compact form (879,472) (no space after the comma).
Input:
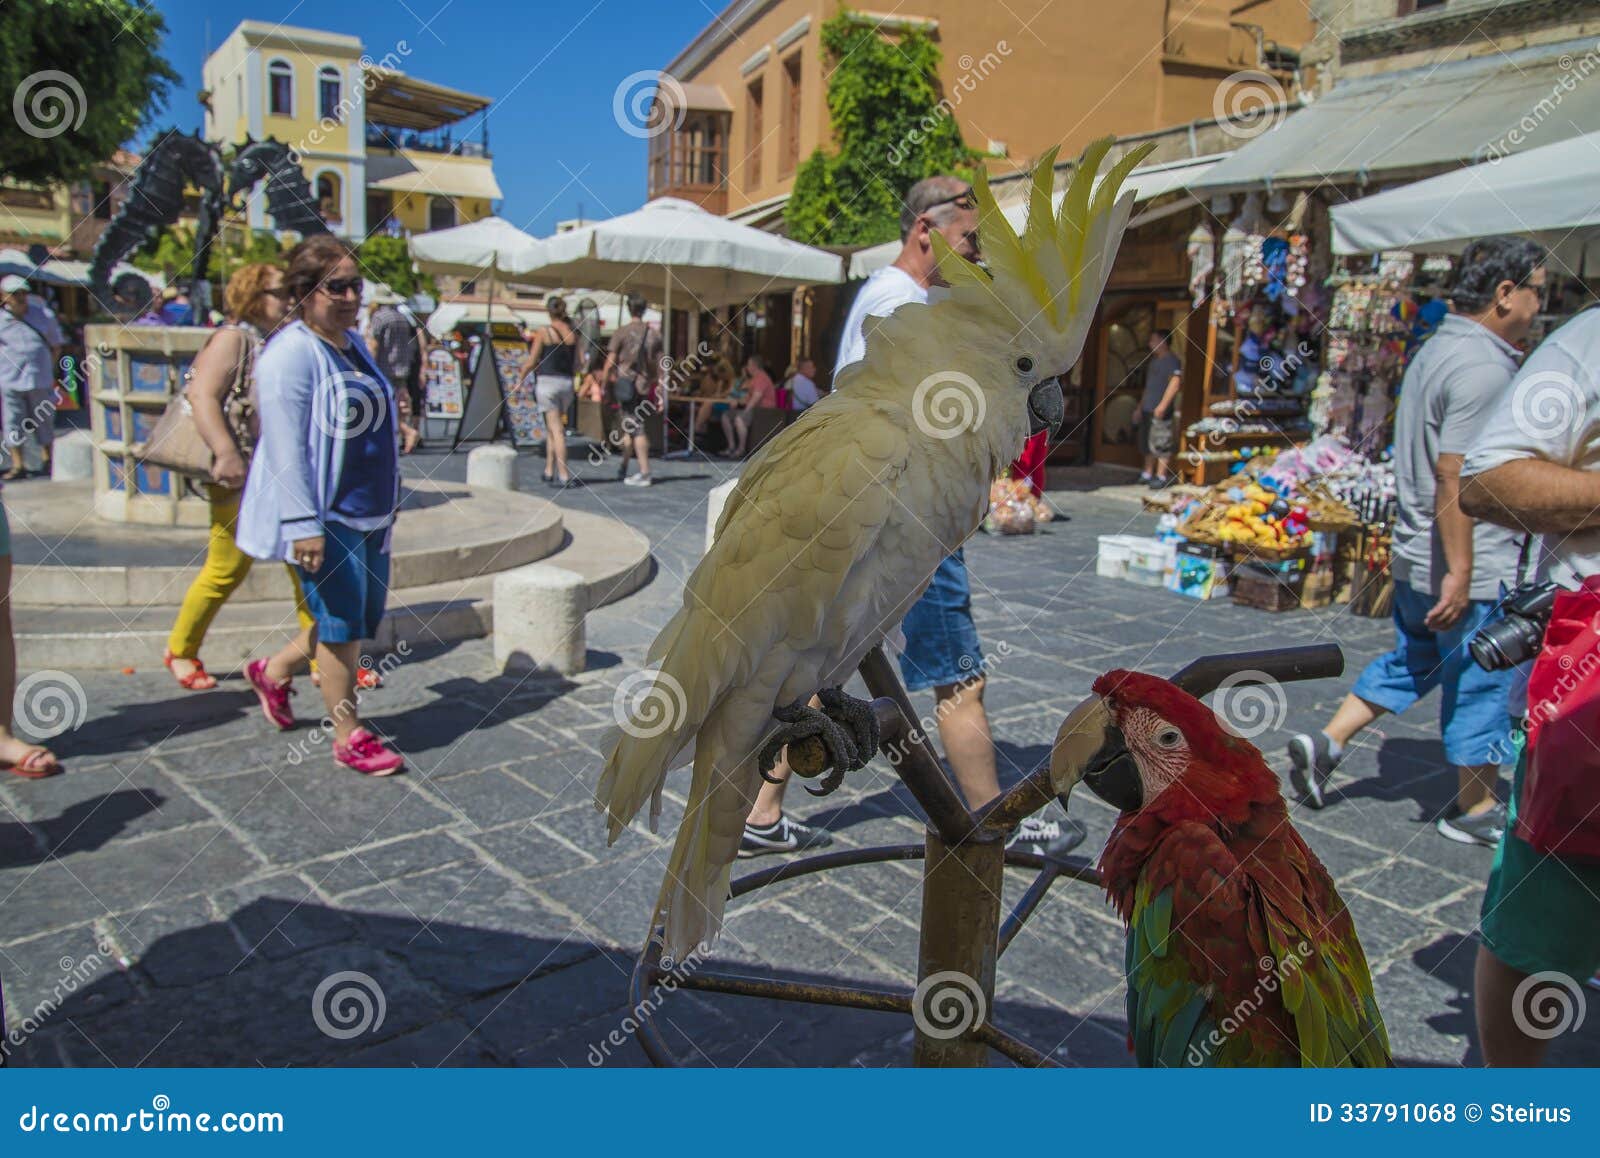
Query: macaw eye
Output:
(1169,738)
(1024,364)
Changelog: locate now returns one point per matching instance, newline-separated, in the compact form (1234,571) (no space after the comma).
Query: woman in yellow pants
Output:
(256,305)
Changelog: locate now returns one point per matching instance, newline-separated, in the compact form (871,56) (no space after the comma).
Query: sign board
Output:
(441,385)
(522,408)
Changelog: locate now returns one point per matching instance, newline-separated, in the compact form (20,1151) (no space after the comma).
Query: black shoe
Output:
(1311,762)
(1485,828)
(784,835)
(569,484)
(1053,838)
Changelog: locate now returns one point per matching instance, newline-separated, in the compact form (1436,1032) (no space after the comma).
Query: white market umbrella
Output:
(1551,193)
(673,245)
(470,250)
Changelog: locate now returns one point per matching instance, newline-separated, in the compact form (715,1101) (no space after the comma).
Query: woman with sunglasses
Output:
(323,490)
(221,377)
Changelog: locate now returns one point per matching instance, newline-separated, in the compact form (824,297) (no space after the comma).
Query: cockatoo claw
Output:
(845,727)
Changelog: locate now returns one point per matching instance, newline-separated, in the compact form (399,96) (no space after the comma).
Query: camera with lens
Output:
(1517,636)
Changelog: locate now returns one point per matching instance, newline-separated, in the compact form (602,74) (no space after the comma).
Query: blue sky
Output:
(551,70)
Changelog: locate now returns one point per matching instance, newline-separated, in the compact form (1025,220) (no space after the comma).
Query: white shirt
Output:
(886,291)
(802,391)
(1551,411)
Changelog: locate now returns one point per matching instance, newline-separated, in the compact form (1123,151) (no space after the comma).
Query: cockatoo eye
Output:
(1169,738)
(1024,364)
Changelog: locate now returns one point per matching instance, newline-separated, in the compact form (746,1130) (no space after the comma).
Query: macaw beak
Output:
(1090,747)
(1047,407)
(1112,775)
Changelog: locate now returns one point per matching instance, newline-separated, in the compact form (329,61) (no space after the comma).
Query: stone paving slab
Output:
(183,893)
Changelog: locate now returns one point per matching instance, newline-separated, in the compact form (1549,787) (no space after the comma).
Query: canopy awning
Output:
(438,174)
(57,271)
(393,98)
(676,246)
(1550,193)
(1147,184)
(481,246)
(1421,119)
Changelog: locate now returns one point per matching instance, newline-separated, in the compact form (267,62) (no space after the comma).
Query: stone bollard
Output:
(716,499)
(493,466)
(72,458)
(538,619)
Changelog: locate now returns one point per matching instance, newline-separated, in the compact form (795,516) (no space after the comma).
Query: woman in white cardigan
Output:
(323,489)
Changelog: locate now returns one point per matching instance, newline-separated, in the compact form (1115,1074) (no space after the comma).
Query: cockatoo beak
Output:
(1090,747)
(1047,407)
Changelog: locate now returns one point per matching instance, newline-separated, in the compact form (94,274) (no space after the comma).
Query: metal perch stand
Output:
(965,860)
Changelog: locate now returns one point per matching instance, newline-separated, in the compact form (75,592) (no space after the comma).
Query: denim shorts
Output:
(346,595)
(1474,714)
(941,640)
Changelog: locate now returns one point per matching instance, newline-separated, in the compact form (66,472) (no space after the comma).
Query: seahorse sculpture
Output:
(156,199)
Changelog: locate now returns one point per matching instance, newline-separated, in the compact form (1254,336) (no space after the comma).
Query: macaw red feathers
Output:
(1240,950)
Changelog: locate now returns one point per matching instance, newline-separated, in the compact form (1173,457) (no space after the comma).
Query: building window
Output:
(280,88)
(328,200)
(328,93)
(754,130)
(789,143)
(441,213)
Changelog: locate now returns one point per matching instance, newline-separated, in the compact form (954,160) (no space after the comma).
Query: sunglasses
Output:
(342,287)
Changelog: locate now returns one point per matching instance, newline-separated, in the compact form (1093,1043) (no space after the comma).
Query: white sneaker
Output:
(638,480)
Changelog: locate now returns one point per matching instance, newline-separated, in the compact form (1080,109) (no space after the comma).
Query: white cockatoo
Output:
(837,525)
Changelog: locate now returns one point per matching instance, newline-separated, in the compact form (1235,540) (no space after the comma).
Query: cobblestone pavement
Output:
(192,892)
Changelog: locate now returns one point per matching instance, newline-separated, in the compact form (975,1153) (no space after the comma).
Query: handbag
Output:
(175,442)
(1558,810)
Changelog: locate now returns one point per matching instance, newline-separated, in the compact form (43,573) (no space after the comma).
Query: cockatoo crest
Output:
(1043,277)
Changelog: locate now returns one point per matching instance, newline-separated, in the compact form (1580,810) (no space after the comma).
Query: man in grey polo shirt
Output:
(27,378)
(1448,570)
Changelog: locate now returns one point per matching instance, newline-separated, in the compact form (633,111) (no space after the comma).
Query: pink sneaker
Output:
(367,754)
(274,697)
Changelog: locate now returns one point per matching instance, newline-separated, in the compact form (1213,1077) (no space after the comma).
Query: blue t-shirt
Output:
(366,486)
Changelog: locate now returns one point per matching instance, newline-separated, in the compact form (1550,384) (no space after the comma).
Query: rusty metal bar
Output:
(1282,665)
(790,989)
(823,861)
(1014,1048)
(960,920)
(1026,904)
(919,766)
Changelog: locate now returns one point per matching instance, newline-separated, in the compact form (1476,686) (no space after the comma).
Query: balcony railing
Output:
(383,137)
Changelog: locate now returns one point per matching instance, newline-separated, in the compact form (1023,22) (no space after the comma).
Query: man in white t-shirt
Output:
(942,651)
(1535,468)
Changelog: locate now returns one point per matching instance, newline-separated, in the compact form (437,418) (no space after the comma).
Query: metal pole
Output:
(961,887)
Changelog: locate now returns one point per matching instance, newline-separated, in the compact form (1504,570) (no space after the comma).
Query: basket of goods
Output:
(1014,509)
(1261,524)
(1324,512)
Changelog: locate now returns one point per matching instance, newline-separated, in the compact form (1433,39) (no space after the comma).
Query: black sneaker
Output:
(1485,828)
(1311,763)
(784,835)
(1053,838)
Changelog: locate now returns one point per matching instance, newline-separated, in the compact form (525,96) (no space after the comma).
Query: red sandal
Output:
(199,680)
(38,764)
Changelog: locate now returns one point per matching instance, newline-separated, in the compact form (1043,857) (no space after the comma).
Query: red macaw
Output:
(1239,951)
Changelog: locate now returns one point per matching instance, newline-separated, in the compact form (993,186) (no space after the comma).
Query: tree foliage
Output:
(387,259)
(891,127)
(172,251)
(62,60)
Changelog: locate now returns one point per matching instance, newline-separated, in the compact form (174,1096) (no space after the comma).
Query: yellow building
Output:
(379,148)
(1019,77)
